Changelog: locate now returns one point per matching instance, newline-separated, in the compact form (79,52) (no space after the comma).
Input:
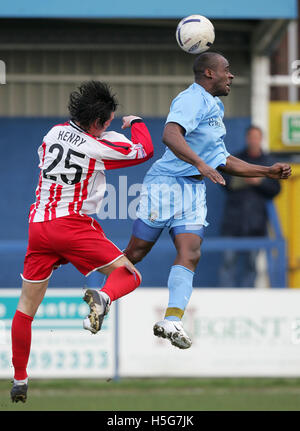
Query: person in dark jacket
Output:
(245,213)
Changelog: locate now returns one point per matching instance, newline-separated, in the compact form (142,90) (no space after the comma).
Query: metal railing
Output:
(274,245)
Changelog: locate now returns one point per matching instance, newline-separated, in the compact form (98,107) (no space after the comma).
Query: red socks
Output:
(21,341)
(120,282)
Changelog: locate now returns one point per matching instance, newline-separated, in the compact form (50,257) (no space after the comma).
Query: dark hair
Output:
(92,101)
(206,60)
(253,127)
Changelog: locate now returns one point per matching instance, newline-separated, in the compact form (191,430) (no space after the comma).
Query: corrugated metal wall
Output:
(145,76)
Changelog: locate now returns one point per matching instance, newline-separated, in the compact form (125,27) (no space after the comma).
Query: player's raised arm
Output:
(239,168)
(119,152)
(139,133)
(173,137)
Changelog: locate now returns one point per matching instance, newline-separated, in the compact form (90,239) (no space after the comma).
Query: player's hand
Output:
(127,120)
(211,174)
(279,171)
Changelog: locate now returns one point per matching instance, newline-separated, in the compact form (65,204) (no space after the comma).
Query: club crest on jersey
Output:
(215,122)
(153,216)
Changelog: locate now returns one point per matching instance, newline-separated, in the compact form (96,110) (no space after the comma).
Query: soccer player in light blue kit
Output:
(173,194)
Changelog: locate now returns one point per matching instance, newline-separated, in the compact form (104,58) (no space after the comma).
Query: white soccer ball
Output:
(195,34)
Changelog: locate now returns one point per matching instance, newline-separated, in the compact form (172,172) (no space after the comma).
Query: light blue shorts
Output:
(168,201)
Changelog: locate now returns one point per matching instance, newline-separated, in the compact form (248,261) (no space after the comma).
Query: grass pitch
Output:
(238,394)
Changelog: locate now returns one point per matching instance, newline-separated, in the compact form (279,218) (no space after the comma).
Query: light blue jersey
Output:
(201,115)
(171,197)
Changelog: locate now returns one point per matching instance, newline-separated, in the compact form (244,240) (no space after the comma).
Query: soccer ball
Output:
(195,34)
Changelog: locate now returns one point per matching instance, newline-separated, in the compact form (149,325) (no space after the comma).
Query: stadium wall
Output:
(145,77)
(19,140)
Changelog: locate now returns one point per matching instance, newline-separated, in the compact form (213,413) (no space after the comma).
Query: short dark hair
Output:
(253,127)
(205,60)
(93,100)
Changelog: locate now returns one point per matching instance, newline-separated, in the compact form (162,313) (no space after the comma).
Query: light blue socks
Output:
(180,284)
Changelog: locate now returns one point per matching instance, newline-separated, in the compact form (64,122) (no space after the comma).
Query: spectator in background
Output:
(245,213)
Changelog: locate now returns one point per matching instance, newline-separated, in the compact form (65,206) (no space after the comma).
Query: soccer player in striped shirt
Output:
(73,159)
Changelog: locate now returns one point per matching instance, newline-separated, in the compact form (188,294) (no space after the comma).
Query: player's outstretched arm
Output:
(173,137)
(281,171)
(127,119)
(120,152)
(239,168)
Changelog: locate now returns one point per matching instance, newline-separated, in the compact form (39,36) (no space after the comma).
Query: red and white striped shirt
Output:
(73,164)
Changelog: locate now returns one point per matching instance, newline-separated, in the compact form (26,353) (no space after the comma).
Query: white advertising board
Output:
(235,332)
(60,346)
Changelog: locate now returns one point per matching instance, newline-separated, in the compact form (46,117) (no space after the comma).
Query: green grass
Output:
(158,394)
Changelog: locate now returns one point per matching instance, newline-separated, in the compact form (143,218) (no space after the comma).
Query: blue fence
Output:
(275,248)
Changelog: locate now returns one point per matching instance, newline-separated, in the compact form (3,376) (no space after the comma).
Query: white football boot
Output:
(99,307)
(173,330)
